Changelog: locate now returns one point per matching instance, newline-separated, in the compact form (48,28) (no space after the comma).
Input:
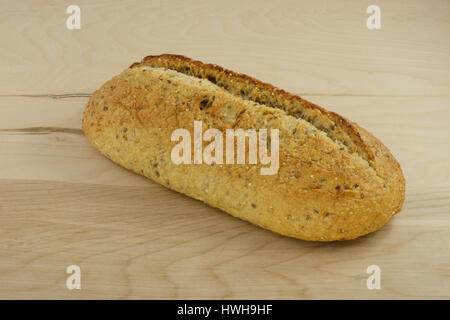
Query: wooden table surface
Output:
(62,203)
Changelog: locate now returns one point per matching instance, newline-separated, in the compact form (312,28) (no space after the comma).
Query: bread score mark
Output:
(241,147)
(337,128)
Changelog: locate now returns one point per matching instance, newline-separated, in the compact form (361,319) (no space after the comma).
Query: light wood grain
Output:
(62,203)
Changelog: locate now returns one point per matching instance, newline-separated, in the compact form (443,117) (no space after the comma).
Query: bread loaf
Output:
(334,180)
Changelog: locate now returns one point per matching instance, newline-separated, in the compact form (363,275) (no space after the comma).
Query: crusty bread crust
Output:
(267,94)
(336,181)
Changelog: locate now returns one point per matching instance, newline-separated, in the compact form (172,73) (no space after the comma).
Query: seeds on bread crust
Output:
(335,181)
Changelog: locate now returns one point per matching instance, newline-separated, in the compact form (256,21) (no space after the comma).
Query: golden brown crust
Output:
(176,62)
(324,190)
(373,150)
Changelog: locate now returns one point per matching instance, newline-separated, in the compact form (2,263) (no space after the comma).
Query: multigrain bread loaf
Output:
(335,181)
